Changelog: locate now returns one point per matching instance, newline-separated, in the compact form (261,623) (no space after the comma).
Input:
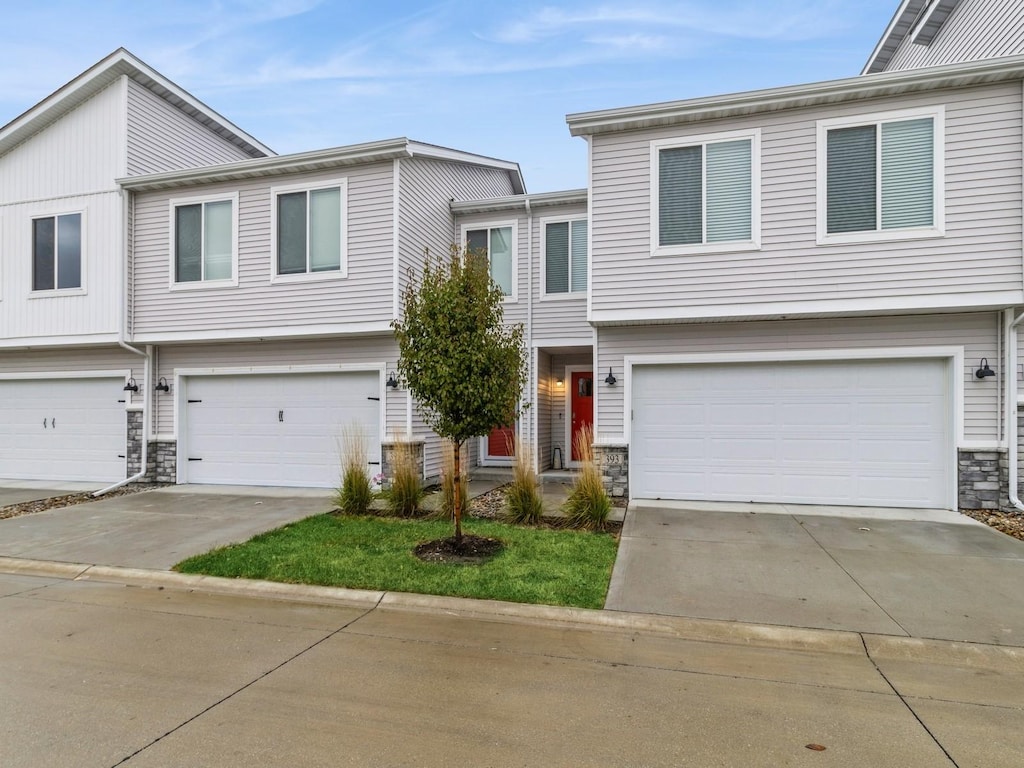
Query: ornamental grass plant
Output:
(588,505)
(523,501)
(355,495)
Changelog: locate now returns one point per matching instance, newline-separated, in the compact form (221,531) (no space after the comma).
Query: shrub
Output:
(355,495)
(406,491)
(448,481)
(588,505)
(523,502)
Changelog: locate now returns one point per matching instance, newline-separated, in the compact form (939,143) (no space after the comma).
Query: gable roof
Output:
(793,96)
(316,160)
(99,76)
(920,18)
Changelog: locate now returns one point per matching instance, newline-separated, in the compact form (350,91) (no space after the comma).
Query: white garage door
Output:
(63,429)
(280,429)
(865,433)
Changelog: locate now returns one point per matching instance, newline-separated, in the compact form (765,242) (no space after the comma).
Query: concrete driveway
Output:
(18,491)
(926,574)
(156,529)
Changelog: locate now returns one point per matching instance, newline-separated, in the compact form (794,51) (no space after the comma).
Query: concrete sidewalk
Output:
(135,669)
(897,572)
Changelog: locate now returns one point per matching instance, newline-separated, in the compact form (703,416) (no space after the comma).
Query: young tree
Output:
(466,367)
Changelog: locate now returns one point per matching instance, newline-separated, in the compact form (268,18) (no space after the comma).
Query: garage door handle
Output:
(44,423)
(53,423)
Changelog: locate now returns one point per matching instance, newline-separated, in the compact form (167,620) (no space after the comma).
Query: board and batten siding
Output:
(980,252)
(976,29)
(163,138)
(977,332)
(558,316)
(80,153)
(281,355)
(89,314)
(425,220)
(255,304)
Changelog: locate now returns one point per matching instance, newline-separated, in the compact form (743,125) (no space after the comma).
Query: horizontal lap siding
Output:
(977,29)
(563,316)
(65,360)
(977,332)
(163,138)
(354,351)
(981,251)
(426,221)
(365,296)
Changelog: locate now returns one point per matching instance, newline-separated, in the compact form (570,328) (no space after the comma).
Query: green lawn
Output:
(553,567)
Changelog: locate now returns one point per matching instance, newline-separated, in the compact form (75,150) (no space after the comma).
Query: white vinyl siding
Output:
(882,176)
(704,193)
(203,233)
(565,256)
(499,242)
(264,304)
(976,263)
(310,230)
(57,252)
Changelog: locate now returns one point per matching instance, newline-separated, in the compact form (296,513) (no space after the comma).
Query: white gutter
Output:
(530,369)
(1012,406)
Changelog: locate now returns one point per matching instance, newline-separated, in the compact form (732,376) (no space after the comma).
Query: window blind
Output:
(852,177)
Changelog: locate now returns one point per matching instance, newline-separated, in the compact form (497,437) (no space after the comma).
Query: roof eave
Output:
(794,96)
(518,202)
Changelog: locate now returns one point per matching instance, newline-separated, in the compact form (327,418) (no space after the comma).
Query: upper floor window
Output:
(204,241)
(310,230)
(498,243)
(880,176)
(705,195)
(565,257)
(57,252)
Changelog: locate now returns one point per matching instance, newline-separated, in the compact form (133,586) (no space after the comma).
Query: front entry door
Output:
(581,405)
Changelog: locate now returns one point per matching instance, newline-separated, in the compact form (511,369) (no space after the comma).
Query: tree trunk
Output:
(457,447)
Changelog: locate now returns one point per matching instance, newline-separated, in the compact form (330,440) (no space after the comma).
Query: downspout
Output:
(530,371)
(147,373)
(1011,406)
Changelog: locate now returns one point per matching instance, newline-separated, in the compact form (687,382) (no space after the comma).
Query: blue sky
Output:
(492,78)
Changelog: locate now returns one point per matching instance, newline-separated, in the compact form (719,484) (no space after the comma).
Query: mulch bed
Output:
(1010,524)
(73,499)
(472,550)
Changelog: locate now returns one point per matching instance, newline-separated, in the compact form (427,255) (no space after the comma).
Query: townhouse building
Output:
(806,294)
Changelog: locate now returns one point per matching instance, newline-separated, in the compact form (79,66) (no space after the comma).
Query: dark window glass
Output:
(291,233)
(852,179)
(188,237)
(69,251)
(43,247)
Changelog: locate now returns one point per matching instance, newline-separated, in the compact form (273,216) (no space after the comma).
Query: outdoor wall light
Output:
(162,385)
(392,382)
(610,378)
(560,382)
(984,371)
(131,386)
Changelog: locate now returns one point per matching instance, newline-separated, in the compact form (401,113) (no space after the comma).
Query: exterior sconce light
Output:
(610,378)
(392,382)
(162,385)
(131,386)
(984,371)
(560,382)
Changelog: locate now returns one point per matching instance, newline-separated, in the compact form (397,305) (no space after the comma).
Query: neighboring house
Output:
(804,294)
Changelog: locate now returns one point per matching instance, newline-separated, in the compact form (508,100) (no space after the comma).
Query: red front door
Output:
(582,405)
(501,442)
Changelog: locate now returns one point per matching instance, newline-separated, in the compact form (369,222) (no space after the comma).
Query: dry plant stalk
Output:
(523,501)
(356,494)
(406,489)
(588,505)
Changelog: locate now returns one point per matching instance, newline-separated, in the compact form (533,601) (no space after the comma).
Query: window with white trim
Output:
(310,230)
(882,176)
(57,252)
(204,237)
(565,257)
(705,193)
(497,243)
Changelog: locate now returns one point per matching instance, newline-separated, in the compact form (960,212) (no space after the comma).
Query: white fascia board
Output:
(68,340)
(518,202)
(795,309)
(257,334)
(317,160)
(99,76)
(793,96)
(899,26)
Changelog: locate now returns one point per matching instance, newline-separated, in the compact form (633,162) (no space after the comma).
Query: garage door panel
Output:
(873,432)
(278,429)
(84,437)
